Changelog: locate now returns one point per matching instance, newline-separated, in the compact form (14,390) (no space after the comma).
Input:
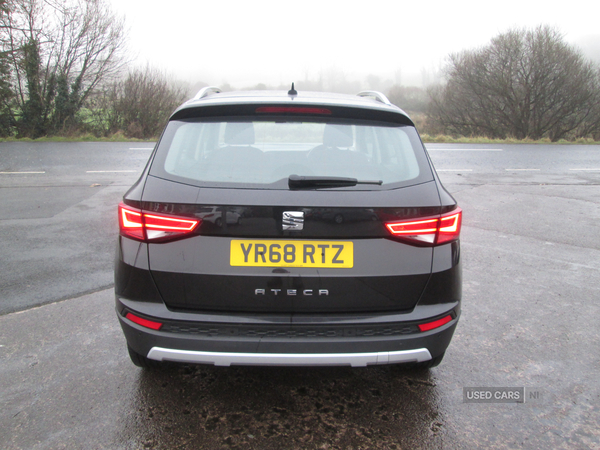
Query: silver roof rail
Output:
(376,95)
(206,91)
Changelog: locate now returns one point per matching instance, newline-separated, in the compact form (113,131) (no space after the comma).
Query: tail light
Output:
(429,231)
(150,227)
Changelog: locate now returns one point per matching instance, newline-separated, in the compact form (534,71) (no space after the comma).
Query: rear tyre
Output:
(142,361)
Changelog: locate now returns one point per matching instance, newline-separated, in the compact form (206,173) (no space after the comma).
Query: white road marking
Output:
(587,170)
(463,149)
(522,170)
(110,171)
(20,173)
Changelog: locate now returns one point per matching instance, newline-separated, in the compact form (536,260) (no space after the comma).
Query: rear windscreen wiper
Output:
(304,182)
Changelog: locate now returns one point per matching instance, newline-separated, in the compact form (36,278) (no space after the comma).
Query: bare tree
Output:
(59,51)
(412,99)
(523,84)
(139,105)
(6,92)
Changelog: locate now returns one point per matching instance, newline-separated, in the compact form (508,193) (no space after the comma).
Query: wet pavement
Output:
(67,383)
(530,320)
(531,309)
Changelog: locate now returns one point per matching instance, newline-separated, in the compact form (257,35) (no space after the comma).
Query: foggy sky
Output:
(243,43)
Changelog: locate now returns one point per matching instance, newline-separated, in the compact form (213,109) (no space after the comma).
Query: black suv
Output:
(288,228)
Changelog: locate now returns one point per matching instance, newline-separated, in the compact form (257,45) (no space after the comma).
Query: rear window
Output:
(264,153)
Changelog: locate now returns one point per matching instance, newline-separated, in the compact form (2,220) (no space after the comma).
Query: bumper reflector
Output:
(144,322)
(435,324)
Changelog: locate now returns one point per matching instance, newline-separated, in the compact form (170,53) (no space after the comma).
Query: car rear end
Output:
(277,229)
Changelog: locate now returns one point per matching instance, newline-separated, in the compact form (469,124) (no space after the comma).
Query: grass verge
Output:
(437,139)
(118,137)
(443,139)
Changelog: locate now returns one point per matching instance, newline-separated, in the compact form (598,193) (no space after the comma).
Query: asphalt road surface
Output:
(530,322)
(58,218)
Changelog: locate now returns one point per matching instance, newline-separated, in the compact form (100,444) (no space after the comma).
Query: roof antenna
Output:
(292,91)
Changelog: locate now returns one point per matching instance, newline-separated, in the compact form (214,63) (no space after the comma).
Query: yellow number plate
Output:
(279,253)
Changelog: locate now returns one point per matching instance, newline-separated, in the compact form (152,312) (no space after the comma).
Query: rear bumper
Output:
(289,359)
(293,341)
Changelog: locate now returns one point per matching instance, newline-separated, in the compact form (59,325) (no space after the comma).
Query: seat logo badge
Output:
(293,220)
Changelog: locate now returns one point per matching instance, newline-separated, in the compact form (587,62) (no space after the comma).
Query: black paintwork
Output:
(392,284)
